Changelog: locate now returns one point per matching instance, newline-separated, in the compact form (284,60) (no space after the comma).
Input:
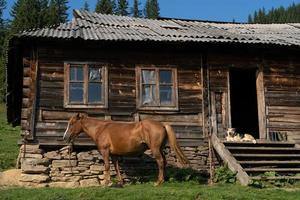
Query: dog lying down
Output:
(232,136)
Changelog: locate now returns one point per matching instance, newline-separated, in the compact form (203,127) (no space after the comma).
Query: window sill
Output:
(158,109)
(84,106)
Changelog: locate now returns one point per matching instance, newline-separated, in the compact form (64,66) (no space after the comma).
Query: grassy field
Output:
(8,142)
(169,190)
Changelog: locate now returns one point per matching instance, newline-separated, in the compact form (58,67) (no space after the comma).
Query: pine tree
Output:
(15,7)
(250,20)
(28,14)
(3,31)
(255,17)
(2,7)
(260,16)
(86,6)
(57,12)
(2,26)
(152,9)
(122,8)
(291,14)
(105,7)
(135,10)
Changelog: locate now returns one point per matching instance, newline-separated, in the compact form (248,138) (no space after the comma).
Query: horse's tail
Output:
(174,145)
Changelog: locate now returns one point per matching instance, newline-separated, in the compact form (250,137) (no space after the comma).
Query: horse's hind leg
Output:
(105,155)
(161,165)
(117,168)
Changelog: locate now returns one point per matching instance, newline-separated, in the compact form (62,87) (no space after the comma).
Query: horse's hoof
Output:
(110,184)
(120,183)
(158,183)
(106,183)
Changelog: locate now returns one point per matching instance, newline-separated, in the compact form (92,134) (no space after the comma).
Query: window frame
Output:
(85,104)
(139,87)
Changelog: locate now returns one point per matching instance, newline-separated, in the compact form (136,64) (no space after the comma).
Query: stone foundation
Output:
(59,168)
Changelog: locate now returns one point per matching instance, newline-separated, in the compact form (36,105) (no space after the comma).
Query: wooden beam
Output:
(228,158)
(261,104)
(229,123)
(213,116)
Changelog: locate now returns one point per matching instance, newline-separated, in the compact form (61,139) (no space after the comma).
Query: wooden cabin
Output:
(201,77)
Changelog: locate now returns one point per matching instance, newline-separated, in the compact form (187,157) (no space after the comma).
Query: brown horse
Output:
(121,138)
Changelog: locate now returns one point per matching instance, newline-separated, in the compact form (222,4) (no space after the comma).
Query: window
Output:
(85,85)
(157,88)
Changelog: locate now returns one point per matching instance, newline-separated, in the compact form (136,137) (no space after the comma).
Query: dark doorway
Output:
(243,100)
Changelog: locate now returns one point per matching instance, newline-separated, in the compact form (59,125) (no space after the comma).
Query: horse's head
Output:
(74,128)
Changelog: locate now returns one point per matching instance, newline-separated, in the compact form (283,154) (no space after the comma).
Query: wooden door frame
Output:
(261,105)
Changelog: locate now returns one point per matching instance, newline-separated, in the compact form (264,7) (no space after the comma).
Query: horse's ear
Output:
(82,115)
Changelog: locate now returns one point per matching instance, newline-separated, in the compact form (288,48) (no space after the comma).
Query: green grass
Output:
(8,142)
(170,191)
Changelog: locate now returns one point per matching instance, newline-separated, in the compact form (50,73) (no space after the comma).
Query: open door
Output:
(243,101)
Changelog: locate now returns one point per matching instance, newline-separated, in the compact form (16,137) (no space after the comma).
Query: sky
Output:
(213,10)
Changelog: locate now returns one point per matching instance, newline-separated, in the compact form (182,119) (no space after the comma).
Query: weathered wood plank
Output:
(57,115)
(173,118)
(55,76)
(228,158)
(25,113)
(261,104)
(283,110)
(284,118)
(27,82)
(25,103)
(52,84)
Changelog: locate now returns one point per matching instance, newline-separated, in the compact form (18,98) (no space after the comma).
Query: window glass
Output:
(76,92)
(157,88)
(94,74)
(72,73)
(148,76)
(76,73)
(148,94)
(165,76)
(86,85)
(165,93)
(95,92)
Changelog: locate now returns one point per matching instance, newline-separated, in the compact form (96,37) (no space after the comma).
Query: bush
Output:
(265,183)
(224,175)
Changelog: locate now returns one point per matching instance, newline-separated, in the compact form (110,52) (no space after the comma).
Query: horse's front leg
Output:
(105,155)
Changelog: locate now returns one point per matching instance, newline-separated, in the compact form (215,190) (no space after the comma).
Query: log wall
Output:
(29,92)
(282,93)
(52,117)
(281,85)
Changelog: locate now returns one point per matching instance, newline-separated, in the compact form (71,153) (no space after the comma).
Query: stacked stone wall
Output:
(81,168)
